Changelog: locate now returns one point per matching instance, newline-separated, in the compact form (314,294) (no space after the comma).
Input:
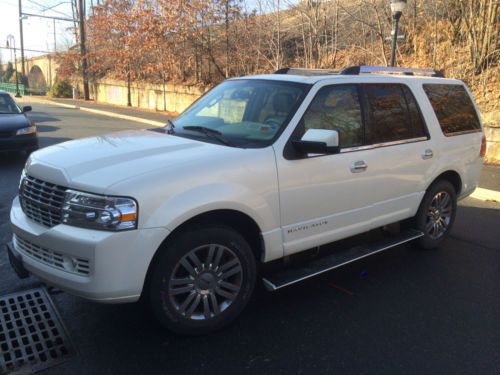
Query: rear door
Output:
(403,152)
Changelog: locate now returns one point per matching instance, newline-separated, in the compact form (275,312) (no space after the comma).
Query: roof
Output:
(349,78)
(357,73)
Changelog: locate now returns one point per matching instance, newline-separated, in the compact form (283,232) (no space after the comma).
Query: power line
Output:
(45,8)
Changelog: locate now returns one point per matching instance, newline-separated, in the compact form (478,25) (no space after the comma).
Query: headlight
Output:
(28,130)
(99,212)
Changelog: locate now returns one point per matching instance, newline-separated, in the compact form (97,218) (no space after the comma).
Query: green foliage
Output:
(61,89)
(9,72)
(12,78)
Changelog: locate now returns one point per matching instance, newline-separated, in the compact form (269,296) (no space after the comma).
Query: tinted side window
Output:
(337,108)
(453,108)
(388,113)
(417,122)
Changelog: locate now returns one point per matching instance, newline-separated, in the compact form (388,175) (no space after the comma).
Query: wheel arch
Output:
(451,176)
(237,220)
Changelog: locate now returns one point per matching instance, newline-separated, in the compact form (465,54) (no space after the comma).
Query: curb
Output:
(99,112)
(486,195)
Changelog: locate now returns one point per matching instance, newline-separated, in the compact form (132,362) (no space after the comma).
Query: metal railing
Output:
(11,88)
(356,70)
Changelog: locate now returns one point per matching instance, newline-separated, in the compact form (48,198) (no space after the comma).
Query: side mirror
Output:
(318,141)
(27,108)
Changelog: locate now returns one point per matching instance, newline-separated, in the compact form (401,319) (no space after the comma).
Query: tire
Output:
(436,214)
(203,280)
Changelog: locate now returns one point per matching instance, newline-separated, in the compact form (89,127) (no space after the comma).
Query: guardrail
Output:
(11,87)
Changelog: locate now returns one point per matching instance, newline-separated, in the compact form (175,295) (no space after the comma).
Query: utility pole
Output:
(227,38)
(129,94)
(21,37)
(54,28)
(83,51)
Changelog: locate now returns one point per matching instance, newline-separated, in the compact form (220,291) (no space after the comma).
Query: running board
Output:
(318,266)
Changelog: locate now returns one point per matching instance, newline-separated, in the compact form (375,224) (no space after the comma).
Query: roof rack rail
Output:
(306,72)
(356,70)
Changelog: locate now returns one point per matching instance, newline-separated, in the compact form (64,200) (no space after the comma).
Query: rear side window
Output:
(393,113)
(453,108)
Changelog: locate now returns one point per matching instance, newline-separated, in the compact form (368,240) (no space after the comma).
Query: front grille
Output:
(42,201)
(6,134)
(52,258)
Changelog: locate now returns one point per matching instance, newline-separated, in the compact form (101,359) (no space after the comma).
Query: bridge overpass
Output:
(40,71)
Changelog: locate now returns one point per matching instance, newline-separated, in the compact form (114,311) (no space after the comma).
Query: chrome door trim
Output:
(383,144)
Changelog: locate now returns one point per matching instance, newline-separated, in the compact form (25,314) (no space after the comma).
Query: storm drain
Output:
(31,332)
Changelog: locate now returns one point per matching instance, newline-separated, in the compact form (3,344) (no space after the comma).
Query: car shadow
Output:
(47,128)
(13,158)
(38,117)
(18,158)
(478,222)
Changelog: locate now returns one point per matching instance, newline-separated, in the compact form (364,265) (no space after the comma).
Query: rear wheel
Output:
(436,214)
(203,280)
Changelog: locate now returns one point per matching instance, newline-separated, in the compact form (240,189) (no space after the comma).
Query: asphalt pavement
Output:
(403,311)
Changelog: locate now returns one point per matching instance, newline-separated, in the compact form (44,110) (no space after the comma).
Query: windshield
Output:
(242,113)
(8,105)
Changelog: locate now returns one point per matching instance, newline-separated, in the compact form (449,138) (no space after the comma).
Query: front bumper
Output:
(116,263)
(19,143)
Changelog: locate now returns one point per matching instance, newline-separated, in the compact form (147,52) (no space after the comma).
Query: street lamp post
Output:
(129,95)
(397,8)
(11,43)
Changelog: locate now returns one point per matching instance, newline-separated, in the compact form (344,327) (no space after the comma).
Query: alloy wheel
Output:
(439,215)
(205,282)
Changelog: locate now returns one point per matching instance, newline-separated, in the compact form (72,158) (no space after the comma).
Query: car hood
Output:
(94,164)
(9,122)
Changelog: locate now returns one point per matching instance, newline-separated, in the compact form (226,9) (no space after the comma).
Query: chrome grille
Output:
(52,258)
(42,201)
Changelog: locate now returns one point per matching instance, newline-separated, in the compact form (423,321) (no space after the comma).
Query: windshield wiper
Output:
(209,132)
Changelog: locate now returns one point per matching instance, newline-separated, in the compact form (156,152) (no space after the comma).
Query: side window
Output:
(388,113)
(417,122)
(453,108)
(338,108)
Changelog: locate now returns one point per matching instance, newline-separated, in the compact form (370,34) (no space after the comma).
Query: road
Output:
(405,311)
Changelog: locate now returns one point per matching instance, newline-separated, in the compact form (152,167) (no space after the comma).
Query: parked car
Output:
(17,131)
(259,169)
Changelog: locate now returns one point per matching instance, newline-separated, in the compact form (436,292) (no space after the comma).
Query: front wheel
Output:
(203,280)
(436,214)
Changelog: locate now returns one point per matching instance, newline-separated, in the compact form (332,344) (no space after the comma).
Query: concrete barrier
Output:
(171,98)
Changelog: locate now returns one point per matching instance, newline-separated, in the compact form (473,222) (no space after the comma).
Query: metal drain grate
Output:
(31,332)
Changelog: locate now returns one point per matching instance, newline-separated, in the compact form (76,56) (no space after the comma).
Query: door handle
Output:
(427,154)
(358,166)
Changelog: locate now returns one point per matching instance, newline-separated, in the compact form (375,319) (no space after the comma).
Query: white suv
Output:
(258,169)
